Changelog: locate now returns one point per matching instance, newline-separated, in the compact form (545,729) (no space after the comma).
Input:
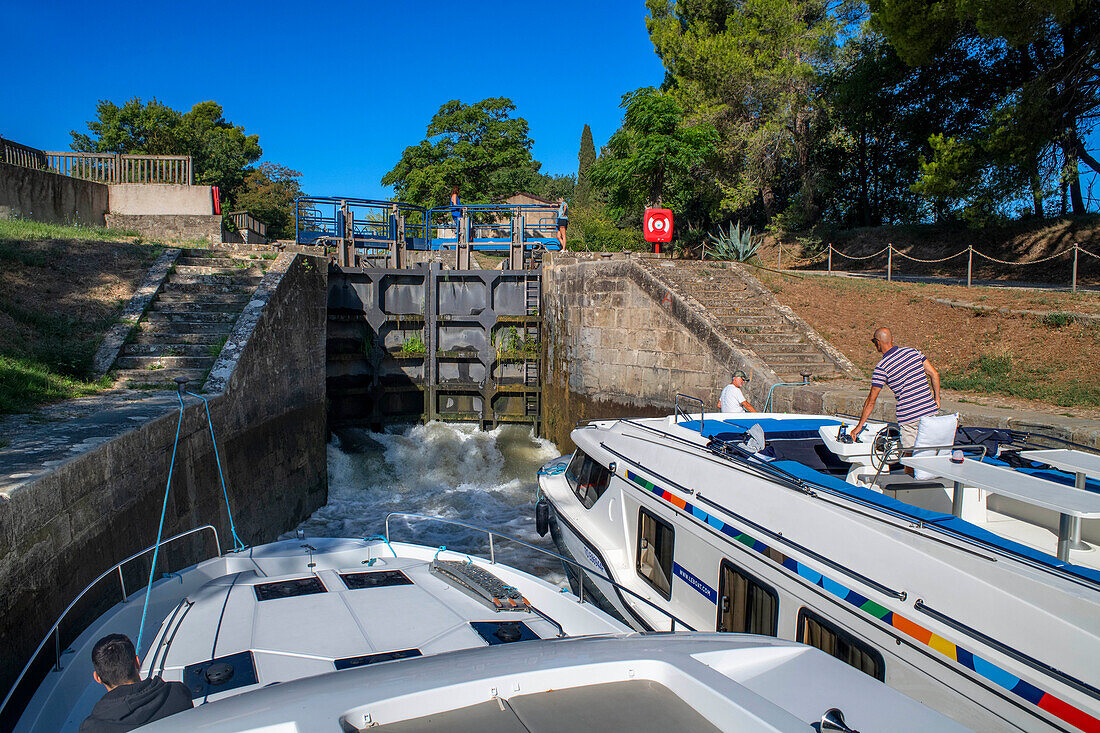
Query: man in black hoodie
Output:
(130,701)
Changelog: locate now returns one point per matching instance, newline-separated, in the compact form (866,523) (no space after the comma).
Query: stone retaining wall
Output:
(170,227)
(26,193)
(621,344)
(58,532)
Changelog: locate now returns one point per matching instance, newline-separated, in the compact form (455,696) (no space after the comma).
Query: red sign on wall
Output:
(657,225)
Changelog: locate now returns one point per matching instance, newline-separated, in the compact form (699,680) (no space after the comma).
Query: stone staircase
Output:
(748,314)
(189,321)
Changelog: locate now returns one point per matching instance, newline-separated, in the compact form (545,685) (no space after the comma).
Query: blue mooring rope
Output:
(381,537)
(160,529)
(237,544)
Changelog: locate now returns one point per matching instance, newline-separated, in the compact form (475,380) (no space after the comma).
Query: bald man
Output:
(907,372)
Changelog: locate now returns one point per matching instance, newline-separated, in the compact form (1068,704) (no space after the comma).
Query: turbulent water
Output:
(458,472)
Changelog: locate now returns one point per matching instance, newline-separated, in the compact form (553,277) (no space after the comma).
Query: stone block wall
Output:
(615,350)
(268,410)
(170,227)
(26,193)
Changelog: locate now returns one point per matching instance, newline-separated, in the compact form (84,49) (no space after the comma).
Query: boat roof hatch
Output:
(630,705)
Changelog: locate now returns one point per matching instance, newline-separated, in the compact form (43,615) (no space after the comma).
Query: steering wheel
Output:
(886,448)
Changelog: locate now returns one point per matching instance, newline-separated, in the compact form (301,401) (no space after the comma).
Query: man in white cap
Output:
(732,398)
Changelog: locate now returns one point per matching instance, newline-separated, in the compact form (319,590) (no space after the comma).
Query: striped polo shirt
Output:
(902,370)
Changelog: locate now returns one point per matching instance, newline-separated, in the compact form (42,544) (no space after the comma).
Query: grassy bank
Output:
(57,299)
(24,230)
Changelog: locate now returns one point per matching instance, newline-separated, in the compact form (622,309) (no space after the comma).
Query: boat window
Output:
(829,638)
(654,564)
(587,478)
(745,605)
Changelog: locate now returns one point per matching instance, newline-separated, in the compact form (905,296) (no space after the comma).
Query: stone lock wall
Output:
(615,348)
(267,403)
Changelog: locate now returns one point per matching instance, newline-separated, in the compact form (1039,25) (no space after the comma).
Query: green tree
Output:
(268,193)
(750,68)
(657,158)
(221,151)
(879,114)
(479,147)
(586,156)
(1046,64)
(147,128)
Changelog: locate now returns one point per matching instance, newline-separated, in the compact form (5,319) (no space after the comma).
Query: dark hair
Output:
(113,659)
(454,189)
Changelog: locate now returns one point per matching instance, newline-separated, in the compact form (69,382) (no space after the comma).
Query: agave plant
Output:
(736,245)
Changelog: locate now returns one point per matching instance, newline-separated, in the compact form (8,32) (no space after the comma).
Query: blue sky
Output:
(334,90)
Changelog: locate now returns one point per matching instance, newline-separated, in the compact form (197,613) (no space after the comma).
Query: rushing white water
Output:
(458,472)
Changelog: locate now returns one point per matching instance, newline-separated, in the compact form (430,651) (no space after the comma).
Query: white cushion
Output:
(934,430)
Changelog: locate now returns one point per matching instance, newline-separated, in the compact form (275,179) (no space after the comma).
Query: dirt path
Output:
(986,357)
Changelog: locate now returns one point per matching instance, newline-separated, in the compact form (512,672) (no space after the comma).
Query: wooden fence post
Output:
(779,263)
(969,263)
(889,262)
(830,259)
(1075,248)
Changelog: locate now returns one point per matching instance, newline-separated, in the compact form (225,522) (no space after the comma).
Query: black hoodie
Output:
(129,706)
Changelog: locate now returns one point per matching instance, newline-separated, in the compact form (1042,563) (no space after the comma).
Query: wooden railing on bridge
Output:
(121,168)
(101,167)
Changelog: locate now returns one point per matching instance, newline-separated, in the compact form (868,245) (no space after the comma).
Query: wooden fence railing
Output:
(244,220)
(121,168)
(15,154)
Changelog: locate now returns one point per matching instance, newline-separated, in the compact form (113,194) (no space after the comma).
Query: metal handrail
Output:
(687,416)
(492,559)
(805,382)
(54,630)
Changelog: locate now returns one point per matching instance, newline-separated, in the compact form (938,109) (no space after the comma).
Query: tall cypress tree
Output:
(582,195)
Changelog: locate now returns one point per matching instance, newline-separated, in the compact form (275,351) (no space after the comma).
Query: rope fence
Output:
(891,250)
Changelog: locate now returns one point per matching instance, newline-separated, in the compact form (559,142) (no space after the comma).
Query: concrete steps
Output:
(244,280)
(171,349)
(162,361)
(169,339)
(245,269)
(159,377)
(184,327)
(229,299)
(176,288)
(750,317)
(191,316)
(187,324)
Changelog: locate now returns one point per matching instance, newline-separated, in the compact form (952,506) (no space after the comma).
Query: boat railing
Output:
(492,534)
(55,632)
(687,417)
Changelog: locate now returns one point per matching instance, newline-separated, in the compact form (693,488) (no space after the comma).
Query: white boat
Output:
(351,634)
(950,590)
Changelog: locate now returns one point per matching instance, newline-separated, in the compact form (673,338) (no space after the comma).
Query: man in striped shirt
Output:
(907,372)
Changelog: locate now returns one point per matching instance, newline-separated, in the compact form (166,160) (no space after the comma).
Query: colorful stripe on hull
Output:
(1001,677)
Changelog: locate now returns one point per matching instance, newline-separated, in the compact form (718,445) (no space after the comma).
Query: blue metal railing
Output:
(319,220)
